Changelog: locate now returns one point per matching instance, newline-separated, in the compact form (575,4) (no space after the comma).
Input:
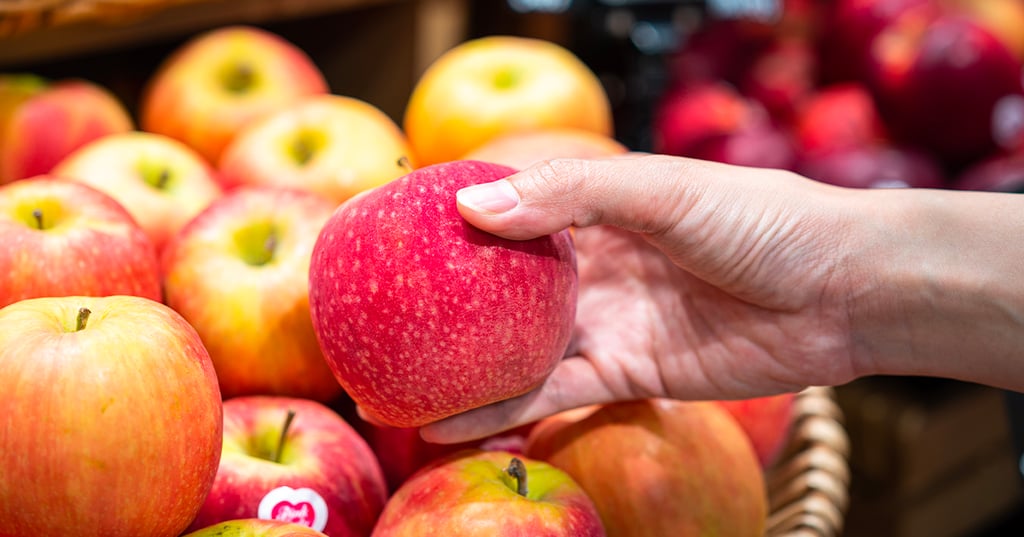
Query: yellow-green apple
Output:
(420,315)
(521,149)
(659,467)
(476,493)
(110,423)
(61,238)
(493,85)
(331,145)
(878,165)
(162,182)
(239,273)
(294,460)
(219,81)
(255,527)
(43,120)
(767,421)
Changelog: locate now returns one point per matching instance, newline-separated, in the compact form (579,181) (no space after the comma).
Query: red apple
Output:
(160,181)
(781,77)
(255,527)
(421,315)
(42,121)
(62,238)
(759,145)
(688,116)
(659,467)
(1000,173)
(110,422)
(874,166)
(767,421)
(838,116)
(219,81)
(489,494)
(239,273)
(294,460)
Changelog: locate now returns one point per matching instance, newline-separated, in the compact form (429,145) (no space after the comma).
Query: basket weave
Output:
(808,489)
(22,16)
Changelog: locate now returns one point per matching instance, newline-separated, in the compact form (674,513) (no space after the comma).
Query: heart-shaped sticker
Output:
(300,506)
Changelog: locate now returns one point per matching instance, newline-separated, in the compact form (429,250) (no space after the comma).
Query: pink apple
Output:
(255,527)
(294,460)
(41,121)
(160,181)
(489,494)
(874,166)
(767,421)
(999,173)
(62,238)
(219,81)
(111,420)
(239,273)
(421,315)
(759,145)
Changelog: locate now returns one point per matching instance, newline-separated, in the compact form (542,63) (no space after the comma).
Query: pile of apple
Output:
(858,93)
(197,296)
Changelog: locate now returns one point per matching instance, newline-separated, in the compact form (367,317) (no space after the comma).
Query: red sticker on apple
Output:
(298,506)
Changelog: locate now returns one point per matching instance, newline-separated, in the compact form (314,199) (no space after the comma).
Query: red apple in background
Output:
(421,316)
(111,419)
(688,116)
(489,494)
(838,116)
(294,460)
(62,238)
(160,181)
(330,145)
(219,81)
(874,166)
(1004,18)
(41,121)
(1000,173)
(760,145)
(767,422)
(239,273)
(254,527)
(659,467)
(781,77)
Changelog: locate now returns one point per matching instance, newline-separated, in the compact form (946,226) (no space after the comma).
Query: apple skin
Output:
(687,116)
(250,304)
(767,421)
(322,452)
(470,494)
(781,77)
(690,467)
(254,527)
(331,145)
(838,116)
(874,166)
(489,86)
(998,173)
(90,244)
(521,150)
(422,316)
(160,181)
(114,429)
(42,121)
(218,81)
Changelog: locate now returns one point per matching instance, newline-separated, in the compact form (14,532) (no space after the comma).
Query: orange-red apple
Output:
(767,421)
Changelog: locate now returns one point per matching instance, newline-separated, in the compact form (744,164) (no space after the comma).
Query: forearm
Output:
(937,285)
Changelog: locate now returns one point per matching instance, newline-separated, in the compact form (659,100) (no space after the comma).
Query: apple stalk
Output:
(288,419)
(517,469)
(82,319)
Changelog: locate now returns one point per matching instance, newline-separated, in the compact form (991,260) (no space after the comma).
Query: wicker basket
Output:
(808,489)
(22,16)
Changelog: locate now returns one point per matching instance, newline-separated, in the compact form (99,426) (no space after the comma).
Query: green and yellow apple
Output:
(110,420)
(255,527)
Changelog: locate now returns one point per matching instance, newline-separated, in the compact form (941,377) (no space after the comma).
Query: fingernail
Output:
(489,198)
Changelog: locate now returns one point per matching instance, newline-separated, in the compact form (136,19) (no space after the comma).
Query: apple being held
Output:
(239,273)
(294,460)
(110,422)
(160,181)
(659,467)
(42,121)
(489,494)
(421,316)
(219,81)
(767,422)
(61,238)
(255,527)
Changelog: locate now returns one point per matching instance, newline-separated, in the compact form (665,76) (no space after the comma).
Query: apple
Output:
(43,120)
(998,173)
(110,422)
(659,467)
(421,316)
(219,81)
(718,50)
(489,493)
(687,116)
(160,181)
(1004,18)
(760,145)
(62,238)
(838,116)
(238,272)
(768,422)
(294,460)
(520,150)
(874,166)
(331,145)
(494,85)
(781,77)
(254,527)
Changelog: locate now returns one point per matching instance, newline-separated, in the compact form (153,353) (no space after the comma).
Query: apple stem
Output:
(403,162)
(241,78)
(284,434)
(517,469)
(83,318)
(270,245)
(162,178)
(38,215)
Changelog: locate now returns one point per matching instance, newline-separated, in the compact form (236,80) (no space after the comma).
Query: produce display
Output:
(232,318)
